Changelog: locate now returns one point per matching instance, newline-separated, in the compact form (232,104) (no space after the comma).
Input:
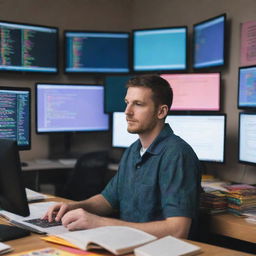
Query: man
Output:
(156,188)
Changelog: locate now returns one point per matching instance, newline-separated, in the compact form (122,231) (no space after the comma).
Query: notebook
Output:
(36,211)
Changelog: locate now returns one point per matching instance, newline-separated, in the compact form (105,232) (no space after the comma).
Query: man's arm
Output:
(97,205)
(175,226)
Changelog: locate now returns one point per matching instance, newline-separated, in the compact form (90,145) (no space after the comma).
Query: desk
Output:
(233,226)
(34,242)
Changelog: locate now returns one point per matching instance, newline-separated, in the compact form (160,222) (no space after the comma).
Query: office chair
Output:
(88,177)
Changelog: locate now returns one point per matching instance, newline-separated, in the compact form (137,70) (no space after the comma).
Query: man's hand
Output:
(80,219)
(57,211)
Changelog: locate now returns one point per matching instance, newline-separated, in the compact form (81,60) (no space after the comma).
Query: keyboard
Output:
(43,223)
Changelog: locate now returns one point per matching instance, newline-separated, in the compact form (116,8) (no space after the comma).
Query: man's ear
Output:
(162,111)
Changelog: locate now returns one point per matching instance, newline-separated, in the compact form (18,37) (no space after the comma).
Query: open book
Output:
(116,239)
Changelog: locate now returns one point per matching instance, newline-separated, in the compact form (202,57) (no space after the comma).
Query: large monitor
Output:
(247,138)
(195,92)
(15,117)
(12,191)
(209,42)
(247,87)
(96,52)
(70,108)
(204,133)
(160,49)
(114,93)
(29,48)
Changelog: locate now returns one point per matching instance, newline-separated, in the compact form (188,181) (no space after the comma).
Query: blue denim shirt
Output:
(164,182)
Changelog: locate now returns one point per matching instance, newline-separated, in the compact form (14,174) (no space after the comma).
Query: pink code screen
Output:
(195,92)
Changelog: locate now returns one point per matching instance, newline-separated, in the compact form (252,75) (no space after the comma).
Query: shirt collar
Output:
(157,145)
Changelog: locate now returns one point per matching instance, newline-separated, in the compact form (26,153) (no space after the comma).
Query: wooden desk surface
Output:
(233,226)
(34,242)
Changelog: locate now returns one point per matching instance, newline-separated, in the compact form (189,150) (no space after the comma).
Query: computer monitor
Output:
(97,52)
(195,92)
(114,93)
(247,138)
(29,48)
(65,108)
(12,191)
(15,117)
(204,133)
(121,138)
(209,42)
(160,49)
(247,87)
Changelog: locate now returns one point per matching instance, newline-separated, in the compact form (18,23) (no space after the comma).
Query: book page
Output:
(116,239)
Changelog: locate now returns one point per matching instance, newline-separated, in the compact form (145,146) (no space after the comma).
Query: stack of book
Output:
(213,199)
(213,202)
(241,198)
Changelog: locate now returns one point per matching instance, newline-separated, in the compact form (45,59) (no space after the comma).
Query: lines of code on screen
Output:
(28,48)
(14,116)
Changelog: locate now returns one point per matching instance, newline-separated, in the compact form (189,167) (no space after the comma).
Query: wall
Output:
(123,15)
(161,13)
(100,15)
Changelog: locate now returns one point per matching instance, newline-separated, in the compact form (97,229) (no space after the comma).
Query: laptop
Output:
(33,222)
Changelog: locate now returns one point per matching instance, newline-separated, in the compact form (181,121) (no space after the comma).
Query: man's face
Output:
(141,112)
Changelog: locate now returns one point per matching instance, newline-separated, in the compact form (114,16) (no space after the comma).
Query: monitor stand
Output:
(60,146)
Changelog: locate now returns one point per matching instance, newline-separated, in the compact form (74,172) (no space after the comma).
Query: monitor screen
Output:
(247,87)
(28,48)
(12,191)
(96,52)
(204,133)
(121,138)
(70,108)
(160,49)
(15,118)
(247,138)
(195,92)
(114,93)
(209,42)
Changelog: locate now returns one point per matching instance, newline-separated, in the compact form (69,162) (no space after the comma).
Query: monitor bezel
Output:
(159,71)
(211,67)
(23,89)
(239,134)
(57,49)
(95,72)
(199,110)
(66,132)
(239,87)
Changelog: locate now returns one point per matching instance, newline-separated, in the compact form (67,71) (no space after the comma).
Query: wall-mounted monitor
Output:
(70,108)
(204,133)
(247,87)
(247,138)
(209,42)
(114,93)
(15,118)
(195,92)
(97,52)
(28,48)
(160,49)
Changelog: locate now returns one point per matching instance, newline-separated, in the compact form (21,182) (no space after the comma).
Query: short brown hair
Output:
(162,91)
